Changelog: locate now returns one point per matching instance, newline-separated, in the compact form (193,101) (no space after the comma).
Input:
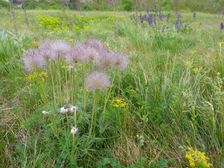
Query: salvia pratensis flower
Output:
(194,15)
(33,59)
(222,26)
(97,81)
(148,9)
(168,18)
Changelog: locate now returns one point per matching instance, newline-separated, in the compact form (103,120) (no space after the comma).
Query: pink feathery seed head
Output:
(92,54)
(106,59)
(47,51)
(97,80)
(61,47)
(52,50)
(77,54)
(33,59)
(94,43)
(120,61)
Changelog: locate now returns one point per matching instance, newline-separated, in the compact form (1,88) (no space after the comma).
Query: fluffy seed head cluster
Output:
(197,159)
(33,58)
(68,109)
(90,51)
(97,81)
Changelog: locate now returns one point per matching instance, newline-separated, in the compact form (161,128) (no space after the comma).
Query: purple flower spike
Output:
(222,26)
(194,15)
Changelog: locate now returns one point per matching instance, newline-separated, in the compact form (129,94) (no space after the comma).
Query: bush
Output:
(127,5)
(4,4)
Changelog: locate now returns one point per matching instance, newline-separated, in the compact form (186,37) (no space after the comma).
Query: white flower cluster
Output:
(68,109)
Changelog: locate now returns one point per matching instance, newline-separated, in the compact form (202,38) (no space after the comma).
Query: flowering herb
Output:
(119,102)
(222,26)
(197,159)
(74,130)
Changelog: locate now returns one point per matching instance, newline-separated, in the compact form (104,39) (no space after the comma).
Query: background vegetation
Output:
(214,6)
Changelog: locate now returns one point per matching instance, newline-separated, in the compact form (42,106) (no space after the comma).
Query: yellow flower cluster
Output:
(37,75)
(34,43)
(197,159)
(119,102)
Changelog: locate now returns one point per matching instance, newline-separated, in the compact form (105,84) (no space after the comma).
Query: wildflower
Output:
(34,43)
(77,54)
(43,75)
(196,69)
(168,18)
(188,63)
(194,15)
(121,61)
(63,110)
(97,80)
(74,130)
(141,140)
(197,159)
(60,46)
(68,109)
(94,43)
(33,59)
(106,60)
(92,54)
(52,50)
(45,112)
(119,102)
(72,109)
(222,26)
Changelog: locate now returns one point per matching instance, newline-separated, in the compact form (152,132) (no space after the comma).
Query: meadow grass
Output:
(169,99)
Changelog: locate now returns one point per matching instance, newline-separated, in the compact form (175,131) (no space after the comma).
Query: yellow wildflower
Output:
(34,43)
(119,102)
(197,159)
(196,69)
(43,75)
(36,76)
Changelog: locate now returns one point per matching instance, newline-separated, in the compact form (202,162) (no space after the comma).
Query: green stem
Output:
(93,119)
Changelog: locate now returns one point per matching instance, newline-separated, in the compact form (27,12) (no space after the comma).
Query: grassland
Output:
(173,93)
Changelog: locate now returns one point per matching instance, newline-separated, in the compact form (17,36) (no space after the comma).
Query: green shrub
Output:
(127,5)
(4,4)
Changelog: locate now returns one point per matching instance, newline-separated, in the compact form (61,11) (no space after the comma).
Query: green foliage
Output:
(4,4)
(127,5)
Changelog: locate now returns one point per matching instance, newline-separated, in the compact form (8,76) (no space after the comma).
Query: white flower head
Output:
(63,110)
(45,112)
(73,109)
(74,130)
